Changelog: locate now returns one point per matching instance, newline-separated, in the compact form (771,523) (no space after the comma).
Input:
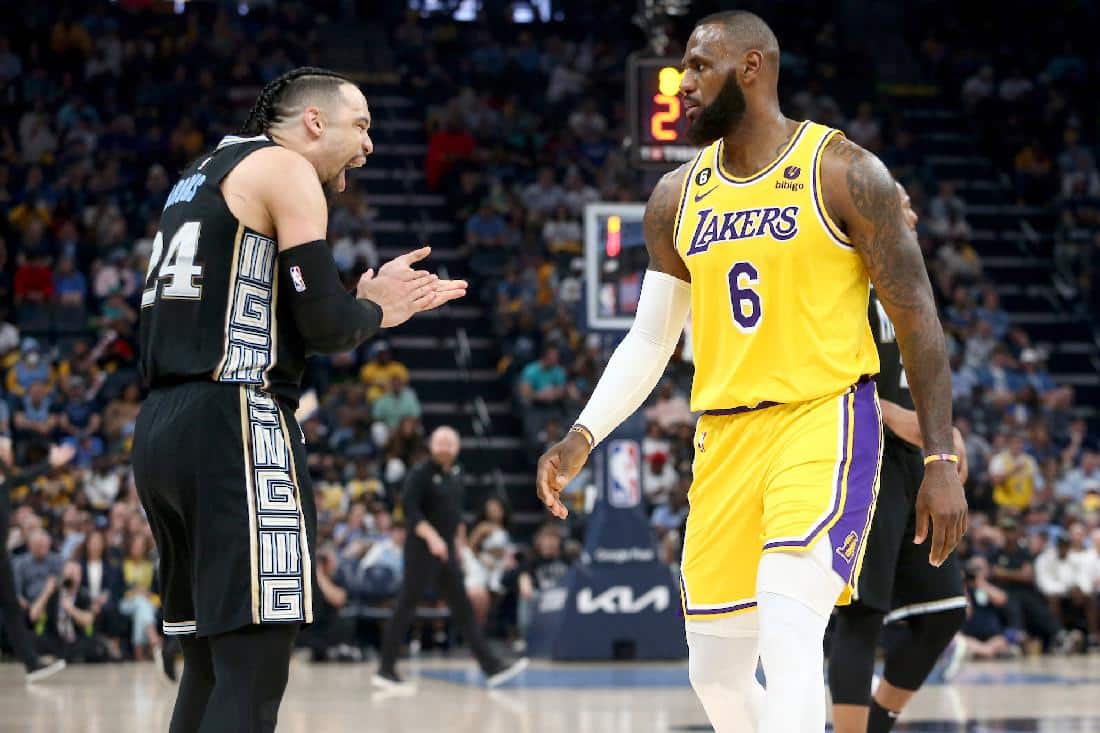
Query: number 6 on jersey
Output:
(177,270)
(744,301)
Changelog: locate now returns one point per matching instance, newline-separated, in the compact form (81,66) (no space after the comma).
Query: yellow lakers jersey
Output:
(778,293)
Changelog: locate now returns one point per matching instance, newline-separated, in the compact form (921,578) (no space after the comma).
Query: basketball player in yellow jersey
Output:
(772,236)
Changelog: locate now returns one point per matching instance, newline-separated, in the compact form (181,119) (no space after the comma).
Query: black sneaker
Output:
(504,672)
(44,669)
(389,680)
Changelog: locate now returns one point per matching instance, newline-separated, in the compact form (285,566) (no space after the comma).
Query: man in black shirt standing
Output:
(432,500)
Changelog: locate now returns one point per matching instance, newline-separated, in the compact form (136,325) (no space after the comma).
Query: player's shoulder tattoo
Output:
(876,223)
(659,223)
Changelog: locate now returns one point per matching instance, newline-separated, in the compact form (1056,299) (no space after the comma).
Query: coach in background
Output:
(433,499)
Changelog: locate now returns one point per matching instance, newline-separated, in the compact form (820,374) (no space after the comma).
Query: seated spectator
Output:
(1013,569)
(101,580)
(562,234)
(544,195)
(659,478)
(120,416)
(379,371)
(671,516)
(986,630)
(487,235)
(331,635)
(542,390)
(670,408)
(31,367)
(1034,184)
(1015,476)
(34,289)
(37,578)
(1082,477)
(978,88)
(140,603)
(945,203)
(398,402)
(36,417)
(545,569)
(72,293)
(864,130)
(1035,375)
(991,311)
(78,416)
(71,636)
(1065,583)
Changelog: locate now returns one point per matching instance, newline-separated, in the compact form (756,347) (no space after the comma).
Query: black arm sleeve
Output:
(412,498)
(330,319)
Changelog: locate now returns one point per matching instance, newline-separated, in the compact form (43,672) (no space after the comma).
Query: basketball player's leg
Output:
(251,667)
(795,596)
(932,603)
(196,684)
(722,670)
(852,665)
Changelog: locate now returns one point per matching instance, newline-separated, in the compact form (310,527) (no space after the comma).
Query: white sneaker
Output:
(42,671)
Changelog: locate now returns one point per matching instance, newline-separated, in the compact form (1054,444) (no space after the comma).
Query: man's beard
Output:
(720,116)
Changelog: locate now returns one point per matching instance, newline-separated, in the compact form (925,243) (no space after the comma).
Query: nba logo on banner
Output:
(624,474)
(297,279)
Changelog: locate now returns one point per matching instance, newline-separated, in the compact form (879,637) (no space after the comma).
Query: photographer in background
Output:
(986,631)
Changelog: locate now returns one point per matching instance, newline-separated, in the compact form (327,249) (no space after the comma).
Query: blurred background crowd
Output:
(100,105)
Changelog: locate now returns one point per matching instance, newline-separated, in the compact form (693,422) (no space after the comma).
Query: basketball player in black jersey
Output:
(897,582)
(241,287)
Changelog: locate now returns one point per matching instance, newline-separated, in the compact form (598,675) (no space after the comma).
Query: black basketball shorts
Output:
(896,576)
(221,472)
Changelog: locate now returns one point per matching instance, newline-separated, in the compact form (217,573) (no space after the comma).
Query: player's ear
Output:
(314,121)
(750,65)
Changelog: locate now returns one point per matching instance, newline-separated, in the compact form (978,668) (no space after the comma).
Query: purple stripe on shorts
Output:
(850,531)
(837,489)
(711,611)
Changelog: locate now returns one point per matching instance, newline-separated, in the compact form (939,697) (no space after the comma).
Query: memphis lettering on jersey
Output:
(730,226)
(185,190)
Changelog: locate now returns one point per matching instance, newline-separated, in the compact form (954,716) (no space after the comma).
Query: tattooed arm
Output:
(860,194)
(640,359)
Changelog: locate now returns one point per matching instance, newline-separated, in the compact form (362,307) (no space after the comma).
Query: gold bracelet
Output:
(585,433)
(949,457)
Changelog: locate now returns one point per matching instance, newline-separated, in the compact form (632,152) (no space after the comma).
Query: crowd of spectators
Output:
(96,111)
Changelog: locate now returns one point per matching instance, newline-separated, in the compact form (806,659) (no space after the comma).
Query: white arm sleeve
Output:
(639,361)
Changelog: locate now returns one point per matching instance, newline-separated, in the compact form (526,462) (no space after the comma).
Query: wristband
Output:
(949,457)
(585,433)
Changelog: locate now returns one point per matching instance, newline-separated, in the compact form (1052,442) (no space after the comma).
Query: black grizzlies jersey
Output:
(891,380)
(210,308)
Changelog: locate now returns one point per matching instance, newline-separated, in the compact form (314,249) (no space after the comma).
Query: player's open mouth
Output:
(342,177)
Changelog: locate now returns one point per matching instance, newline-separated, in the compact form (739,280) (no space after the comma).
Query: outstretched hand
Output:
(402,292)
(559,465)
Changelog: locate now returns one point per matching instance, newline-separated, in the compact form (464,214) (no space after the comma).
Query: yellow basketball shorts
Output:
(779,478)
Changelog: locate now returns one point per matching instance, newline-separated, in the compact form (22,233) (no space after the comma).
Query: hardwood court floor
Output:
(1048,695)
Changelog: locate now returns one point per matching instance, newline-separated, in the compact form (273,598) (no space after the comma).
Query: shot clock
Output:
(657,124)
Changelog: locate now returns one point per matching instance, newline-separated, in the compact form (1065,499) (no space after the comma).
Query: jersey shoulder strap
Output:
(218,163)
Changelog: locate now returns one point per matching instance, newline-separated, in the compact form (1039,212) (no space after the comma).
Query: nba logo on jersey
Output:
(297,279)
(624,481)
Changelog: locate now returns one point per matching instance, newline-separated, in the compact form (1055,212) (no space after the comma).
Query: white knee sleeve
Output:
(795,594)
(723,675)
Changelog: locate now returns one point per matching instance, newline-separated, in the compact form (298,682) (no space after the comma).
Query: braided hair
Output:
(282,96)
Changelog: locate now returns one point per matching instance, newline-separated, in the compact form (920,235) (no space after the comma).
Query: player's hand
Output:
(61,454)
(907,207)
(439,548)
(942,502)
(402,292)
(559,465)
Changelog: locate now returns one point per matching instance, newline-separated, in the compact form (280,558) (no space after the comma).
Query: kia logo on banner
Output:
(620,599)
(624,479)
